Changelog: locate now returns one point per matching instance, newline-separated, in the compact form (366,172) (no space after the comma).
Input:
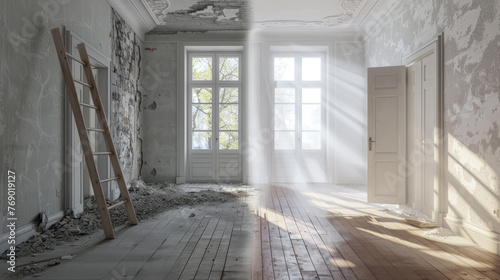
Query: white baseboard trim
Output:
(159,179)
(349,181)
(485,238)
(25,232)
(180,180)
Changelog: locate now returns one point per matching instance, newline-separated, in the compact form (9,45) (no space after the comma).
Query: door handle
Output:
(370,141)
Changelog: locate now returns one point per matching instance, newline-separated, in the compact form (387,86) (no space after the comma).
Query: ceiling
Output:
(174,16)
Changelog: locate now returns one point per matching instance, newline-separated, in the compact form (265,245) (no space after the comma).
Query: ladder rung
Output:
(102,153)
(95,129)
(117,204)
(110,179)
(82,83)
(88,105)
(76,59)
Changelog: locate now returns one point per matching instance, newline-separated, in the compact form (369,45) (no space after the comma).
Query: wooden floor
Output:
(281,232)
(320,232)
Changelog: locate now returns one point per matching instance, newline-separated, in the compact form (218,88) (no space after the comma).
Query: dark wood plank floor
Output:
(326,232)
(281,232)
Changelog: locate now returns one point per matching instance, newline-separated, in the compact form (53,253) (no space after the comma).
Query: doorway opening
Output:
(77,177)
(424,133)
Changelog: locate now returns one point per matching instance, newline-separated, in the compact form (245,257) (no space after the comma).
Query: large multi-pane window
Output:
(299,117)
(299,85)
(215,86)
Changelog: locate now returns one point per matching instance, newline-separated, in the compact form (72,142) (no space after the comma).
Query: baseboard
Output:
(180,180)
(486,239)
(25,232)
(349,181)
(159,179)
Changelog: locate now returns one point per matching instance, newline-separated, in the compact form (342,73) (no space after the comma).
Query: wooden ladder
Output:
(83,131)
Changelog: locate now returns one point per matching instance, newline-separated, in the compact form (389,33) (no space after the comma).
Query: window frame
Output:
(216,84)
(298,84)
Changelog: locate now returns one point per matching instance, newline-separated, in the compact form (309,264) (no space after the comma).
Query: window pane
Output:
(311,69)
(311,140)
(311,95)
(284,117)
(284,95)
(202,117)
(284,68)
(228,140)
(202,95)
(202,140)
(284,140)
(228,68)
(202,68)
(228,117)
(228,95)
(311,117)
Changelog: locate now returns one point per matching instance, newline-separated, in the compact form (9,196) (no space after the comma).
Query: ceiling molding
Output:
(136,14)
(160,7)
(351,11)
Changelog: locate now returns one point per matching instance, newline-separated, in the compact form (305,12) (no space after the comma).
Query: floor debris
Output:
(420,224)
(148,200)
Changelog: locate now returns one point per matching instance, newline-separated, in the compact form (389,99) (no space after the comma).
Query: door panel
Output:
(386,130)
(430,134)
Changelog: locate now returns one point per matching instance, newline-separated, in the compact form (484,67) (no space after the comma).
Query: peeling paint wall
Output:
(32,119)
(472,87)
(32,98)
(159,93)
(126,97)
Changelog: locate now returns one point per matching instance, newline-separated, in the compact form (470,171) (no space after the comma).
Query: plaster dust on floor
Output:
(438,234)
(54,244)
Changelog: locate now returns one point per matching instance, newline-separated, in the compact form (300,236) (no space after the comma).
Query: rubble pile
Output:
(147,200)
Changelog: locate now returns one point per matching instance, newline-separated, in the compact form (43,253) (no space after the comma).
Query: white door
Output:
(423,132)
(298,117)
(386,135)
(90,118)
(75,159)
(214,94)
(430,134)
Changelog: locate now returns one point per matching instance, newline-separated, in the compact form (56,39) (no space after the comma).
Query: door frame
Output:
(214,51)
(299,52)
(440,194)
(74,192)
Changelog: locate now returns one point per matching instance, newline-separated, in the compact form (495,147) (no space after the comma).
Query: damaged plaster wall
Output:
(126,98)
(471,98)
(32,99)
(32,118)
(207,15)
(159,93)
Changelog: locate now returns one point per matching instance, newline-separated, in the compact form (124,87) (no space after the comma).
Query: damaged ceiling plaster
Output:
(174,16)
